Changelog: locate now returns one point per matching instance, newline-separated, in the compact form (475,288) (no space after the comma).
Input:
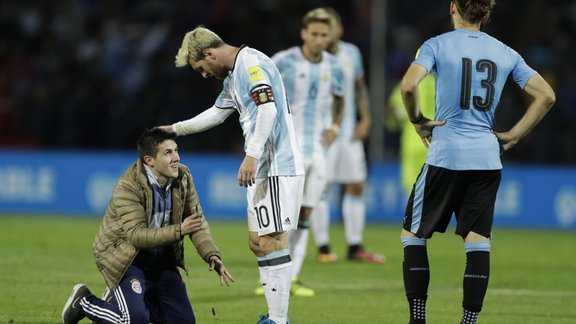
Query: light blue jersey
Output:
(471,69)
(311,88)
(351,61)
(254,70)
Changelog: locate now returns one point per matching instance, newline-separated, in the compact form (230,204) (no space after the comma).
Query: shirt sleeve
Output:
(521,72)
(224,99)
(426,55)
(262,98)
(338,79)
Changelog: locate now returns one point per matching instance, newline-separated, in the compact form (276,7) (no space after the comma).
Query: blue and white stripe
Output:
(281,153)
(311,88)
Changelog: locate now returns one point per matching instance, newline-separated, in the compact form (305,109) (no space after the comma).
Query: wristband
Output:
(335,128)
(420,116)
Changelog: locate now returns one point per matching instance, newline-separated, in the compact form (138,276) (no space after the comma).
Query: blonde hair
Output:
(317,15)
(194,43)
(336,19)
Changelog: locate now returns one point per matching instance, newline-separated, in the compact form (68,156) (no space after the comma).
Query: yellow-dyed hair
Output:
(194,43)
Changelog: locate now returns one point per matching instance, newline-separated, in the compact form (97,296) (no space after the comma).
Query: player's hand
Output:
(424,128)
(329,136)
(507,141)
(166,128)
(247,172)
(362,130)
(192,223)
(217,265)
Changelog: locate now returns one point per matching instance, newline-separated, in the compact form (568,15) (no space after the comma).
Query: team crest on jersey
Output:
(256,74)
(136,286)
(262,94)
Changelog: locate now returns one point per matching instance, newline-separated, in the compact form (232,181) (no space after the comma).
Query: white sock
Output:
(263,273)
(354,214)
(320,223)
(278,292)
(298,243)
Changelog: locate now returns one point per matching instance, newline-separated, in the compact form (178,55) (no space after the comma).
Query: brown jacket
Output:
(124,228)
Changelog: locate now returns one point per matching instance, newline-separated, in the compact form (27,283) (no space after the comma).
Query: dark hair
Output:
(475,11)
(150,139)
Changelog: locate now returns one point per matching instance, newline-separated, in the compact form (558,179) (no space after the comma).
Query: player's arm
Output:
(363,106)
(544,98)
(338,91)
(205,120)
(337,114)
(409,89)
(263,98)
(265,117)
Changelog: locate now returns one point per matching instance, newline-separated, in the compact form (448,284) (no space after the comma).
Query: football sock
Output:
(476,277)
(278,287)
(325,249)
(320,223)
(263,270)
(417,311)
(298,243)
(354,214)
(469,317)
(352,249)
(416,273)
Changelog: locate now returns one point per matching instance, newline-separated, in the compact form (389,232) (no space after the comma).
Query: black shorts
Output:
(438,193)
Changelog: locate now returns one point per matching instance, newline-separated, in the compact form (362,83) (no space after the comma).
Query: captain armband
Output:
(262,94)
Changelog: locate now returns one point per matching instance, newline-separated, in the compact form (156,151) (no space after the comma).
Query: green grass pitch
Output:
(531,281)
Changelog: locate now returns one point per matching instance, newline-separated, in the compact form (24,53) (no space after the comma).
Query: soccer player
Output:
(463,168)
(314,86)
(346,157)
(139,246)
(272,168)
(412,152)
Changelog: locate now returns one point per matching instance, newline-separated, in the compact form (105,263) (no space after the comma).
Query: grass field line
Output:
(516,292)
(398,285)
(532,292)
(368,285)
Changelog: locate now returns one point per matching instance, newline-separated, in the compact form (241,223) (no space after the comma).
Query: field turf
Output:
(532,277)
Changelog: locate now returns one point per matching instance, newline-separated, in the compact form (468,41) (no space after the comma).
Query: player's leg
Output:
(416,274)
(320,218)
(127,303)
(298,244)
(475,217)
(352,172)
(320,225)
(298,238)
(273,206)
(314,186)
(436,189)
(171,298)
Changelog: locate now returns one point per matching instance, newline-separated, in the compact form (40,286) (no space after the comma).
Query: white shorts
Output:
(346,162)
(274,204)
(315,183)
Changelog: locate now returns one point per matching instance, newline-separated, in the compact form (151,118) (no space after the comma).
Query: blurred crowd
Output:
(93,74)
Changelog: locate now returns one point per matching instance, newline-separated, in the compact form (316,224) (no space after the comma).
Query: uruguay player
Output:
(462,170)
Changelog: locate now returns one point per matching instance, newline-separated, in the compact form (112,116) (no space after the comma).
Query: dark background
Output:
(94,74)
